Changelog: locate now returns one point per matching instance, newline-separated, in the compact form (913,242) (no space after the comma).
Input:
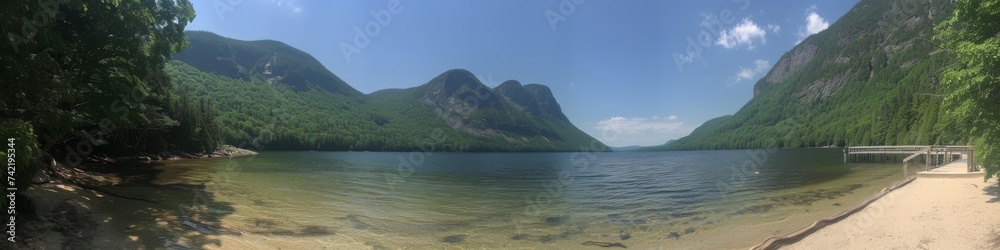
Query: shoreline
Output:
(72,207)
(927,213)
(80,216)
(223,151)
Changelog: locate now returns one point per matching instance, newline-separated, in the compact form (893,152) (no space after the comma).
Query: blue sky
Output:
(650,71)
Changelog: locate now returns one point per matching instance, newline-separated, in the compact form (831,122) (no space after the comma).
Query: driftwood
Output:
(604,244)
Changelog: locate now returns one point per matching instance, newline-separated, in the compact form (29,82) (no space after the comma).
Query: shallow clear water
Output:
(644,200)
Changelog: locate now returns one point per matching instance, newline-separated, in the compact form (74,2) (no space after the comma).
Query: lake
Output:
(377,200)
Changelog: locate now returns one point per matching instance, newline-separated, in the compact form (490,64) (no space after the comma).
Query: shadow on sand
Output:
(994,192)
(123,206)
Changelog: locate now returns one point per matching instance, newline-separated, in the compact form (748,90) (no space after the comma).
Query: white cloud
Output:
(774,28)
(644,131)
(287,4)
(814,23)
(758,67)
(743,34)
(627,125)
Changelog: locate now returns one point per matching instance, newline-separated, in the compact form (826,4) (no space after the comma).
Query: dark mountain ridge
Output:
(266,59)
(475,117)
(536,99)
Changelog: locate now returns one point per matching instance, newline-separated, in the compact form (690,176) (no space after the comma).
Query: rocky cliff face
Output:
(868,79)
(536,99)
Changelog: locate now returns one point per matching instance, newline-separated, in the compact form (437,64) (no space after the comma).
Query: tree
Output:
(972,35)
(88,70)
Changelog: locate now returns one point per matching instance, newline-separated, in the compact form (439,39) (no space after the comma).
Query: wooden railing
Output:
(941,154)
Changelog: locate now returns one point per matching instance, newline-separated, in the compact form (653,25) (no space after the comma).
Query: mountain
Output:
(465,104)
(268,93)
(626,148)
(868,79)
(536,99)
(264,59)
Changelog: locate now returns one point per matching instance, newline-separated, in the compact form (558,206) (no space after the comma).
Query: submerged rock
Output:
(689,230)
(454,238)
(675,235)
(753,209)
(313,230)
(557,220)
(547,238)
(351,217)
(520,237)
(625,236)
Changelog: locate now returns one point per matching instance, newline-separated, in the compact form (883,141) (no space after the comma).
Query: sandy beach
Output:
(929,213)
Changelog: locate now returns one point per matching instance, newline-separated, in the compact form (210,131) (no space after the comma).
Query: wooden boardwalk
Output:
(907,150)
(934,156)
(955,169)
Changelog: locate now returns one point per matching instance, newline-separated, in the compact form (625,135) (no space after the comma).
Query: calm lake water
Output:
(642,200)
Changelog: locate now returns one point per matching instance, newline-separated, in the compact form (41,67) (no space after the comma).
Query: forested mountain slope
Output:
(271,94)
(869,79)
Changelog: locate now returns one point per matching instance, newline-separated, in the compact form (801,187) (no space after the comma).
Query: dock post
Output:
(972,160)
(927,162)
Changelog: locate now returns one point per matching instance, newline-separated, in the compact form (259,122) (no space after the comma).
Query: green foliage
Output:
(87,72)
(283,117)
(972,36)
(270,94)
(872,79)
(27,158)
(264,59)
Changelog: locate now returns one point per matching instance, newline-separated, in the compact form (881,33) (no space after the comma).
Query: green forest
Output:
(86,78)
(871,78)
(284,118)
(82,77)
(886,73)
(272,95)
(89,79)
